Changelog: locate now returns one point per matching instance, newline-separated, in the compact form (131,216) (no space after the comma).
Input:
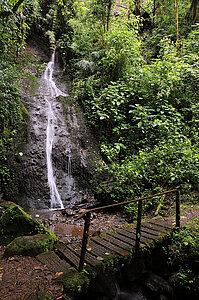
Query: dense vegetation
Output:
(137,80)
(181,255)
(135,70)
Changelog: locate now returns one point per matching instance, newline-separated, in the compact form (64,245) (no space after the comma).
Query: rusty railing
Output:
(87,214)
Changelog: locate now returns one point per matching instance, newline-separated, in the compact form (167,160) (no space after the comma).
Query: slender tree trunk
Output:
(154,11)
(137,7)
(175,2)
(109,13)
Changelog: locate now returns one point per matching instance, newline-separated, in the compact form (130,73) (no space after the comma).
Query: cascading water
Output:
(56,158)
(50,131)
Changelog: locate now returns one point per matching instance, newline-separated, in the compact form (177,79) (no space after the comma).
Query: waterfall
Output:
(55,160)
(48,76)
(52,91)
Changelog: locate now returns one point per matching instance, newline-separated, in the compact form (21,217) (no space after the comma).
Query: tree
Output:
(5,13)
(175,2)
(193,12)
(137,7)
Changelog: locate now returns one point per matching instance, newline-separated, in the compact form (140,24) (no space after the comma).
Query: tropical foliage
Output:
(140,96)
(135,71)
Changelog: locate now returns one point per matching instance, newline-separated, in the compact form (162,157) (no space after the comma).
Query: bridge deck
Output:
(120,242)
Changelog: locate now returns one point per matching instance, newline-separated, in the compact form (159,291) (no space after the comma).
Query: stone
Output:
(155,283)
(14,222)
(103,285)
(30,245)
(74,282)
(134,271)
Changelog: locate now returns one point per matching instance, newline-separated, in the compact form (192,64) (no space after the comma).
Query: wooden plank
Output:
(151,232)
(154,227)
(164,224)
(110,247)
(148,236)
(117,242)
(130,234)
(89,257)
(96,250)
(69,256)
(144,234)
(53,261)
(122,238)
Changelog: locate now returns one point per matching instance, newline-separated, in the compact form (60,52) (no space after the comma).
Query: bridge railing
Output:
(86,215)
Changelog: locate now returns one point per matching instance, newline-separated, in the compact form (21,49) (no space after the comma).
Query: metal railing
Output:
(86,215)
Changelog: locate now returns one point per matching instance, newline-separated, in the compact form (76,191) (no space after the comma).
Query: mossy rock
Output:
(14,222)
(30,245)
(74,282)
(43,295)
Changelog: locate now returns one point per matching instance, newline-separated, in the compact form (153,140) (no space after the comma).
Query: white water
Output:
(53,91)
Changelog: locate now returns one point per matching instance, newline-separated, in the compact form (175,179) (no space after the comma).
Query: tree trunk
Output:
(137,7)
(109,13)
(175,2)
(193,12)
(4,14)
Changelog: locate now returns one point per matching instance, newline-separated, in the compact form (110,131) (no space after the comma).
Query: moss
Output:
(74,282)
(25,113)
(43,295)
(14,222)
(30,245)
(31,83)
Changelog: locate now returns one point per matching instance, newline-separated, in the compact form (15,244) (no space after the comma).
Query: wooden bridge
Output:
(118,243)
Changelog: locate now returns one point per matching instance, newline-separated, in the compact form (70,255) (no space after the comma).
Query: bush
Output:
(11,118)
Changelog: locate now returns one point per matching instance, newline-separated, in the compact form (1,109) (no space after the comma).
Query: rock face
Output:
(14,222)
(73,154)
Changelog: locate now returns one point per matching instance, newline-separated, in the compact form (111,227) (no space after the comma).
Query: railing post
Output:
(177,208)
(138,228)
(84,240)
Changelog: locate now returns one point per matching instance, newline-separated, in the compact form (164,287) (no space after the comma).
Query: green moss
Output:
(30,245)
(25,113)
(31,83)
(43,295)
(15,222)
(74,282)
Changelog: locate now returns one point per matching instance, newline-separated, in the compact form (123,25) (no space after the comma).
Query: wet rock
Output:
(134,271)
(74,282)
(14,222)
(72,139)
(30,245)
(156,283)
(103,285)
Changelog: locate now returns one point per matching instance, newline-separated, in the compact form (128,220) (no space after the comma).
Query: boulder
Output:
(30,245)
(104,286)
(133,271)
(14,222)
(74,282)
(156,283)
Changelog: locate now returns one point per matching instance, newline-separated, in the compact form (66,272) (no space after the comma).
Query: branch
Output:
(5,14)
(16,6)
